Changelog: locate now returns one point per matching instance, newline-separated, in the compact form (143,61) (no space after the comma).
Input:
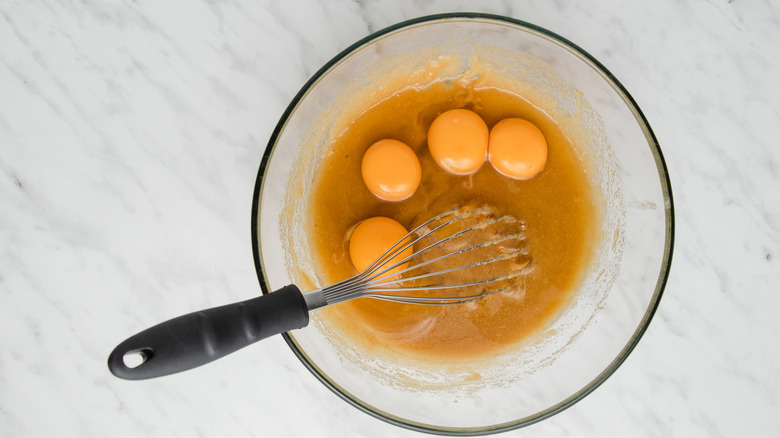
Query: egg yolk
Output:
(372,237)
(517,149)
(458,141)
(391,170)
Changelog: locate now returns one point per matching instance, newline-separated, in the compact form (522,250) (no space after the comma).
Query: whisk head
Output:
(459,256)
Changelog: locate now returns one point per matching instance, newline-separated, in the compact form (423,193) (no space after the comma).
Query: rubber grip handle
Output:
(198,338)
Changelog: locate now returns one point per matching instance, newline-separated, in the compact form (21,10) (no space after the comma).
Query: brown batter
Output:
(557,207)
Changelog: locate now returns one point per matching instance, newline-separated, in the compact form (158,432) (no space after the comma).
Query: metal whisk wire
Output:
(377,280)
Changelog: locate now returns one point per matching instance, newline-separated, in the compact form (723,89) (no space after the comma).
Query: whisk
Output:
(493,250)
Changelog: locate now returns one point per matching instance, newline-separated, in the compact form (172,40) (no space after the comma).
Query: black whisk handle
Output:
(198,338)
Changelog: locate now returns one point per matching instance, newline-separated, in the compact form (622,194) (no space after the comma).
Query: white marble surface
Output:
(130,137)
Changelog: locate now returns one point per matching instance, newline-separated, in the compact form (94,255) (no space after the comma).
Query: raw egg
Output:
(372,237)
(517,148)
(391,170)
(458,141)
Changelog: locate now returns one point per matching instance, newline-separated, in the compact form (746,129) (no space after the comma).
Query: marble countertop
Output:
(130,137)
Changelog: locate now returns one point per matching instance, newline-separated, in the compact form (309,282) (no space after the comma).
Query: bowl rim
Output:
(665,264)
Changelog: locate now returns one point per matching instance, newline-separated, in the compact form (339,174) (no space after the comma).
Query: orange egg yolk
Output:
(458,141)
(372,237)
(391,170)
(517,149)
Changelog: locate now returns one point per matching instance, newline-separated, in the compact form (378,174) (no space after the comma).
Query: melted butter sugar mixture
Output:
(556,208)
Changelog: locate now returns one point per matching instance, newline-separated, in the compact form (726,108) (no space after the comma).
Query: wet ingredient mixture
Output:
(552,197)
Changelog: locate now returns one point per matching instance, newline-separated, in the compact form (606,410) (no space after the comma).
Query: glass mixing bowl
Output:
(592,336)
